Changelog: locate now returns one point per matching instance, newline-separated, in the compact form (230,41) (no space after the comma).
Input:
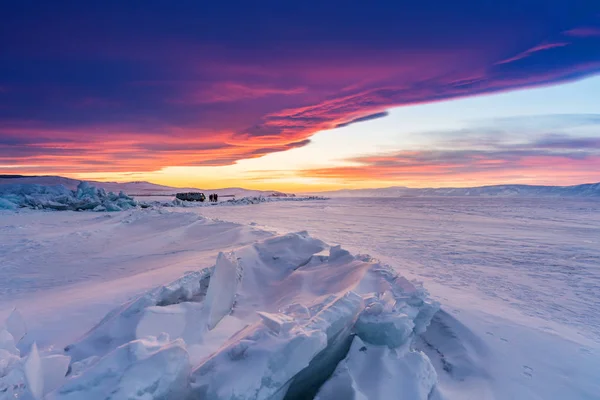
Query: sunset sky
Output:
(302,96)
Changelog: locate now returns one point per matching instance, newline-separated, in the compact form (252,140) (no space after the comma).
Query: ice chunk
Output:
(257,366)
(261,365)
(6,204)
(191,287)
(7,342)
(34,373)
(149,369)
(54,369)
(341,313)
(277,323)
(380,373)
(182,320)
(12,384)
(297,311)
(58,197)
(15,324)
(222,289)
(386,329)
(120,325)
(286,253)
(7,363)
(78,367)
(156,320)
(336,252)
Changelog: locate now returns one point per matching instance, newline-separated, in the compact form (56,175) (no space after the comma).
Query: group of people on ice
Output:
(213,197)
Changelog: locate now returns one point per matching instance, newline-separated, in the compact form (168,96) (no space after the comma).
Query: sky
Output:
(302,96)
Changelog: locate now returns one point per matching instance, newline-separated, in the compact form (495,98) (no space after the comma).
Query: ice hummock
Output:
(284,318)
(58,197)
(153,368)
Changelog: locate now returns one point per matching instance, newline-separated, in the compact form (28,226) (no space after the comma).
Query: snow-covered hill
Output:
(138,188)
(585,190)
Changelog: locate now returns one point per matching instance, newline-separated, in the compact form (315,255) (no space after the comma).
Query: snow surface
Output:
(517,279)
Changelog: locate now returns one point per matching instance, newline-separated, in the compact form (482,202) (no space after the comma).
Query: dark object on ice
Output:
(191,196)
(216,197)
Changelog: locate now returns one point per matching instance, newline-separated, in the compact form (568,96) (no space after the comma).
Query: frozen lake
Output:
(518,279)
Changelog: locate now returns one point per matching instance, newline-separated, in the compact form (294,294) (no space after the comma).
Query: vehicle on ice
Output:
(191,196)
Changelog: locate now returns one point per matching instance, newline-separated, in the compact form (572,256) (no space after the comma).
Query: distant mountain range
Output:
(585,190)
(152,189)
(138,188)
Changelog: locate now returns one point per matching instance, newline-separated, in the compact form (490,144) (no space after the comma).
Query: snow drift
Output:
(285,318)
(58,197)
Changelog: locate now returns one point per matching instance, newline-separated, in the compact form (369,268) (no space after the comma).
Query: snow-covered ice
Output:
(256,312)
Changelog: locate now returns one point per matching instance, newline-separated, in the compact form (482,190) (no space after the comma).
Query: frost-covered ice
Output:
(85,197)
